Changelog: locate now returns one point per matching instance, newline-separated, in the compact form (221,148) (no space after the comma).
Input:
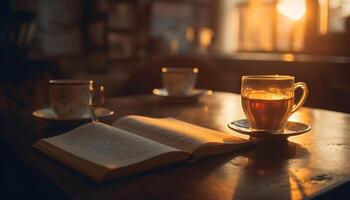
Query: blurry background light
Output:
(293,9)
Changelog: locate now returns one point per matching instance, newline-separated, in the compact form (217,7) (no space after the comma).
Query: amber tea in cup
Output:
(268,100)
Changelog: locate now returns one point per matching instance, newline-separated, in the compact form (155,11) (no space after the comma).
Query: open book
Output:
(134,144)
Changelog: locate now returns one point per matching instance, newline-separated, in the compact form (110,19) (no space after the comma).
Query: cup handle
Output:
(97,96)
(303,86)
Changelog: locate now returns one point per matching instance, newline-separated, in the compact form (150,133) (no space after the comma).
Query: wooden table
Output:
(304,167)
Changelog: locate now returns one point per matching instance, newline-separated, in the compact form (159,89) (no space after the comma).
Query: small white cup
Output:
(70,98)
(179,81)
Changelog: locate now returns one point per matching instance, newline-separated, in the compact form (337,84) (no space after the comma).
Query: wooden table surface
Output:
(305,166)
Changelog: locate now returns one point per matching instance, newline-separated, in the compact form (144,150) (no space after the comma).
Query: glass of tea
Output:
(268,100)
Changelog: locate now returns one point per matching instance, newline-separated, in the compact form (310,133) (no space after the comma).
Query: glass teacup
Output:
(268,100)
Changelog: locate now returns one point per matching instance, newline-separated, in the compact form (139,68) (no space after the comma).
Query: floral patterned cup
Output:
(70,98)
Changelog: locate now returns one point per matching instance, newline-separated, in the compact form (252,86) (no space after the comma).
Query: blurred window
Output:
(271,25)
(333,15)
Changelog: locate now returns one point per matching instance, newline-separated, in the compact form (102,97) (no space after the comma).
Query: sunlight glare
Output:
(293,9)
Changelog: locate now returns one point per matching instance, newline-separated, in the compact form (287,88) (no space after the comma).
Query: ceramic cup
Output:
(70,98)
(179,81)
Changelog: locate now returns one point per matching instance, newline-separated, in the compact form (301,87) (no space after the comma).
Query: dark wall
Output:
(327,77)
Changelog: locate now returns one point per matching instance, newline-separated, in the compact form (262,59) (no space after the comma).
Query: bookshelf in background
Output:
(182,27)
(114,32)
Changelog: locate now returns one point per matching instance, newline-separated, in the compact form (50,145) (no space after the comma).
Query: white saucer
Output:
(194,94)
(291,129)
(50,115)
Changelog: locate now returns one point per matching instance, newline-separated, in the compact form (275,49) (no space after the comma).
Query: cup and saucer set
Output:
(179,84)
(268,102)
(72,101)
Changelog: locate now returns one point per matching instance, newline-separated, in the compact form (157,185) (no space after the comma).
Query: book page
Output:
(174,133)
(108,146)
